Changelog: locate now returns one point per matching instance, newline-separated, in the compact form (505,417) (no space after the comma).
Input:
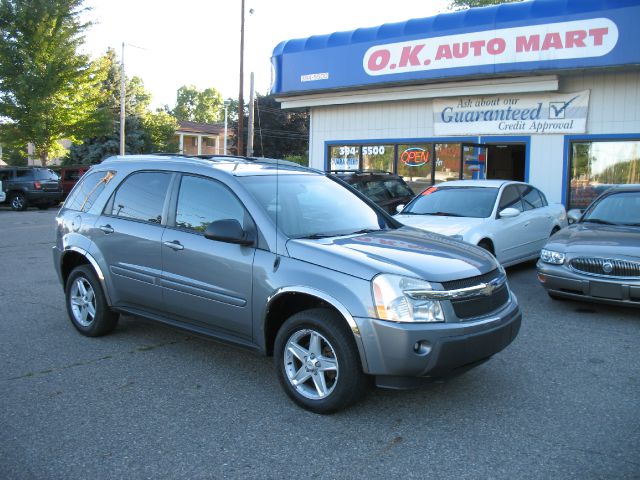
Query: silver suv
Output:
(282,260)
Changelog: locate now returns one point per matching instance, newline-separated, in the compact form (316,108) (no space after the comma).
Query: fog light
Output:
(422,347)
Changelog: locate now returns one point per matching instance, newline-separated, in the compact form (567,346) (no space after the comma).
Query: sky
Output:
(169,44)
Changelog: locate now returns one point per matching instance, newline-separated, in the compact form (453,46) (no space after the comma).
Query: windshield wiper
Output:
(445,214)
(316,236)
(599,221)
(366,230)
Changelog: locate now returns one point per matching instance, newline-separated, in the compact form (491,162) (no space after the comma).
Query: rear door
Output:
(539,215)
(204,281)
(128,236)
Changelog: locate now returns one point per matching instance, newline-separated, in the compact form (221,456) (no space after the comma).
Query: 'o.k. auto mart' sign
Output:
(511,114)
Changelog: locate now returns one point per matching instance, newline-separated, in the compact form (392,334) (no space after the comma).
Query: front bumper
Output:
(562,282)
(399,353)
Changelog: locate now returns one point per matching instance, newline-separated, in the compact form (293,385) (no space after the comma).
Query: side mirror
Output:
(400,207)
(229,231)
(509,212)
(574,215)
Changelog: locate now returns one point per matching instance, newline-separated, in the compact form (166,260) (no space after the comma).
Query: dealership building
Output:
(544,91)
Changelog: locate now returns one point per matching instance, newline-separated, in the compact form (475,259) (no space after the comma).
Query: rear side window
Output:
(202,201)
(24,174)
(87,191)
(46,174)
(510,198)
(141,197)
(5,175)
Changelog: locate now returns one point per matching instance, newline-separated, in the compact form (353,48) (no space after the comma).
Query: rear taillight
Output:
(37,185)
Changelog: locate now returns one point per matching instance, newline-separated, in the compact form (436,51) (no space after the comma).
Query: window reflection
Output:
(595,166)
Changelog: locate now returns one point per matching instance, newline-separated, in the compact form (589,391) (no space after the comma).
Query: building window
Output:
(378,157)
(344,157)
(415,164)
(447,162)
(595,166)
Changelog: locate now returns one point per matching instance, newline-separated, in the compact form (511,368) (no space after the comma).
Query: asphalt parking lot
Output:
(563,401)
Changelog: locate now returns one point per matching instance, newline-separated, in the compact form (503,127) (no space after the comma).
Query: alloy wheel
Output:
(311,364)
(83,302)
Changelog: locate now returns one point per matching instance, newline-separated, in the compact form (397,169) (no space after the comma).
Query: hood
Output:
(440,224)
(590,239)
(404,251)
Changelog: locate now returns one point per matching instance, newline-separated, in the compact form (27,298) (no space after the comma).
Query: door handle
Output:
(175,245)
(106,228)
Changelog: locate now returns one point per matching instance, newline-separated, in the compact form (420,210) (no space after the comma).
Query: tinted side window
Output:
(510,198)
(24,174)
(531,197)
(141,197)
(202,201)
(46,174)
(5,175)
(87,191)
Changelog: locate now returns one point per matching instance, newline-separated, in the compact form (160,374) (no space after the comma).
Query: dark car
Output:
(384,188)
(69,176)
(26,186)
(598,257)
(284,261)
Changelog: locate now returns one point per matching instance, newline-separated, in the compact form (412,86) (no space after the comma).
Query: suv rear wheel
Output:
(86,305)
(317,361)
(18,202)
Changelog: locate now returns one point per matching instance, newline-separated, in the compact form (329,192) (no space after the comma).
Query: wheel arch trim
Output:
(342,310)
(96,267)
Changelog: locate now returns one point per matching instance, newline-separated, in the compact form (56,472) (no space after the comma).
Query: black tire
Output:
(346,386)
(18,202)
(104,320)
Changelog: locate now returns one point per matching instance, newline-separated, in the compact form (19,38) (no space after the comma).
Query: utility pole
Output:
(240,142)
(251,114)
(122,98)
(226,105)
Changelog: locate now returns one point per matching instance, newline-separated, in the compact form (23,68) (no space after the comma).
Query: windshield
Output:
(313,206)
(616,209)
(474,202)
(46,174)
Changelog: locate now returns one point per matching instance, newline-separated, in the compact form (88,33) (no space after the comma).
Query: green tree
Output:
(205,106)
(462,4)
(48,90)
(145,132)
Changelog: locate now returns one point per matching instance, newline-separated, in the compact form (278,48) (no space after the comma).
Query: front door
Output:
(207,282)
(474,161)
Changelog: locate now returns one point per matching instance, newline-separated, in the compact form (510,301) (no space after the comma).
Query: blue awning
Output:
(537,36)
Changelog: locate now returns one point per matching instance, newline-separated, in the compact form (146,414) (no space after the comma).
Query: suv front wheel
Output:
(317,361)
(86,305)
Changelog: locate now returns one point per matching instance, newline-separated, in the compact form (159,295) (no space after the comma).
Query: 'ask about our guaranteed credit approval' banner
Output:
(512,114)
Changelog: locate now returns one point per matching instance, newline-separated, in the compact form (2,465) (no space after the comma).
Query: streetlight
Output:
(240,141)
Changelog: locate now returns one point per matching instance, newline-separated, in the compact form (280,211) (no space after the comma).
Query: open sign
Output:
(415,157)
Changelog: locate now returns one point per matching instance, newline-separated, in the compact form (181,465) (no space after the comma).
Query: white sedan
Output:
(510,219)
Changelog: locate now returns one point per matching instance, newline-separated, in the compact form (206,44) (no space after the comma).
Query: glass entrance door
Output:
(473,157)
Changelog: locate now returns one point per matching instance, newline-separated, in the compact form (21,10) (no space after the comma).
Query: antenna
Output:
(276,262)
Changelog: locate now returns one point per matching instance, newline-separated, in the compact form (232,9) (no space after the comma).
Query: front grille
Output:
(481,305)
(605,267)
(471,281)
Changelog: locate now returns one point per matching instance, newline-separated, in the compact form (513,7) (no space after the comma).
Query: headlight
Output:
(399,299)
(549,256)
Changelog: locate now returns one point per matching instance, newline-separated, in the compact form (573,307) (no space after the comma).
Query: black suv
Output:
(386,189)
(27,186)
